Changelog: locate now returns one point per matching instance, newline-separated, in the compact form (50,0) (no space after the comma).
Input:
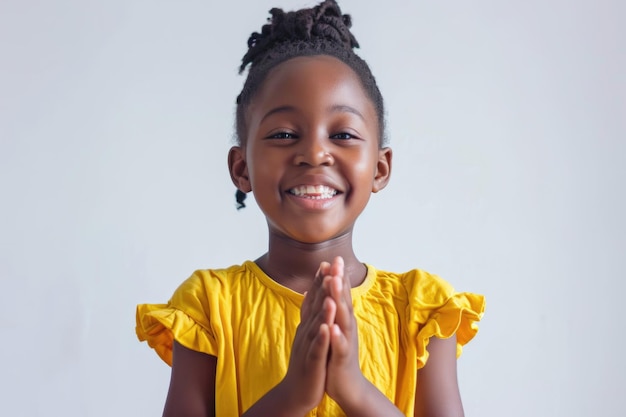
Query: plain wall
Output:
(507,120)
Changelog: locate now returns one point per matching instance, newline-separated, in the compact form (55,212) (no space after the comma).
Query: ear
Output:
(383,170)
(238,168)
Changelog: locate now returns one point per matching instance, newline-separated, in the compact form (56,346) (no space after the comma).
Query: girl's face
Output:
(311,155)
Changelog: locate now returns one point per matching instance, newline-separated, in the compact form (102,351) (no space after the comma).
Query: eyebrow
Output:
(342,108)
(337,108)
(280,109)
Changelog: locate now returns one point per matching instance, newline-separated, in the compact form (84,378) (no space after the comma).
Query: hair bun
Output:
(322,23)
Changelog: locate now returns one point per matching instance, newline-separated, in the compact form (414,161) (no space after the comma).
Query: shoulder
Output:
(417,283)
(220,274)
(202,291)
(203,281)
(426,294)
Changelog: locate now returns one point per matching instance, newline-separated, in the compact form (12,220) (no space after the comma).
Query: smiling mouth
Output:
(314,192)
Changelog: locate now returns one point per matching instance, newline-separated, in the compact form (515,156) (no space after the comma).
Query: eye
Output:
(282,135)
(343,136)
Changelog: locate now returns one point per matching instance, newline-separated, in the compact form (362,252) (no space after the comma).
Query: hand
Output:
(343,373)
(306,376)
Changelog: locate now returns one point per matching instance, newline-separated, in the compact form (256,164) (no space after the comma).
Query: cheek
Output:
(365,165)
(264,173)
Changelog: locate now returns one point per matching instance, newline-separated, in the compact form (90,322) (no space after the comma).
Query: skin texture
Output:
(312,124)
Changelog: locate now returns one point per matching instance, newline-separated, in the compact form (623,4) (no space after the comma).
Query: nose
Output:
(313,151)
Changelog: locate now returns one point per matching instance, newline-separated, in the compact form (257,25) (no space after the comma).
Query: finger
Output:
(346,284)
(319,276)
(336,284)
(318,286)
(317,354)
(314,297)
(312,301)
(338,270)
(305,308)
(325,267)
(335,288)
(324,314)
(339,343)
(337,267)
(320,294)
(344,316)
(329,311)
(322,271)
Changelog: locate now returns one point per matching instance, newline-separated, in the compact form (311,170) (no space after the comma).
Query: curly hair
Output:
(320,30)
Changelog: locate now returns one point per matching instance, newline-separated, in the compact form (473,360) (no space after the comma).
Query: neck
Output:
(294,264)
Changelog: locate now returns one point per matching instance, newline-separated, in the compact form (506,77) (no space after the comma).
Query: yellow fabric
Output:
(248,321)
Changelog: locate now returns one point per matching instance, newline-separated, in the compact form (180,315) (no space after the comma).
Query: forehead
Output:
(313,80)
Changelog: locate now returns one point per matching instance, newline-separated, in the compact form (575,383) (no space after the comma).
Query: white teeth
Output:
(316,192)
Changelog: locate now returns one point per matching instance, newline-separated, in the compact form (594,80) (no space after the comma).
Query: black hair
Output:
(240,197)
(320,30)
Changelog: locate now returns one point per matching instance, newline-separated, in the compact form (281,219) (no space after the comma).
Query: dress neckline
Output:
(370,278)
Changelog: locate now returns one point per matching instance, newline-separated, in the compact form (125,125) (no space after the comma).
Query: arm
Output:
(192,384)
(437,392)
(303,386)
(345,382)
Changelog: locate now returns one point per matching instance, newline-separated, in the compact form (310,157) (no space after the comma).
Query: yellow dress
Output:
(248,321)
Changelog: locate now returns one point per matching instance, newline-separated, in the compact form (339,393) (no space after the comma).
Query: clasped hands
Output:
(325,356)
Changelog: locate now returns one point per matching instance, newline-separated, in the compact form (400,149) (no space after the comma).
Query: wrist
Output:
(280,401)
(365,400)
(293,403)
(353,398)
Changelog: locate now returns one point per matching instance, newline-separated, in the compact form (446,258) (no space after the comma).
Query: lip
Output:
(311,204)
(314,180)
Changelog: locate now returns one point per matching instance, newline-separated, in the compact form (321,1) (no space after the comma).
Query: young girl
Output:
(307,329)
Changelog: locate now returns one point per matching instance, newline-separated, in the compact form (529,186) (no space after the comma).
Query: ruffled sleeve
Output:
(435,309)
(184,318)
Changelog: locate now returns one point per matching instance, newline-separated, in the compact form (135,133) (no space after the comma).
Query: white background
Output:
(508,124)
